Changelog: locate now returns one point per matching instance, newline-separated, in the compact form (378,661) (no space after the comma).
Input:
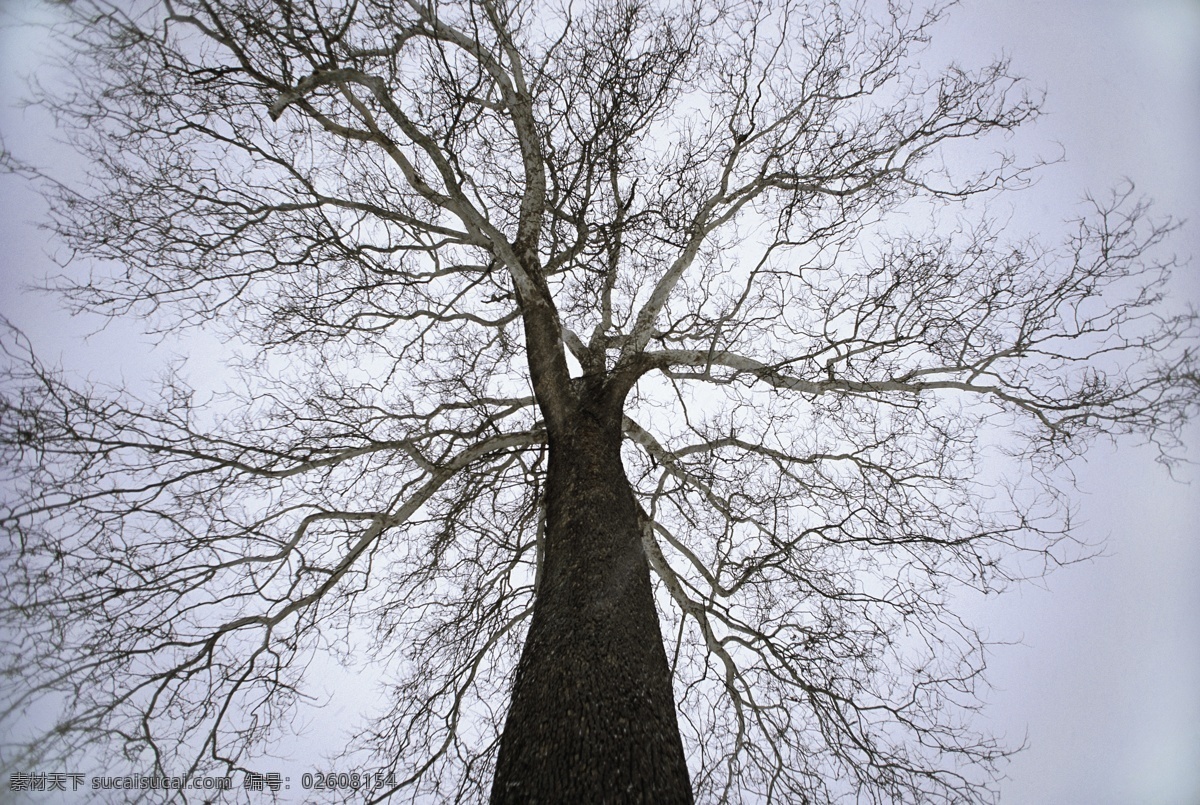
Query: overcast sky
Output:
(1108,681)
(1106,686)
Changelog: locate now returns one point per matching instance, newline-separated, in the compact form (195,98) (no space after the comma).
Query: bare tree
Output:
(594,368)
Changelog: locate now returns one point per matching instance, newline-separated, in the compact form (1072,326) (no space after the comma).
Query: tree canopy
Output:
(439,235)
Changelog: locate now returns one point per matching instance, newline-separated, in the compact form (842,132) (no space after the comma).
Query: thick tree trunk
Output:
(593,715)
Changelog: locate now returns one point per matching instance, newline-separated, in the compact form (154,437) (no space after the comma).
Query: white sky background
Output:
(1107,684)
(1108,681)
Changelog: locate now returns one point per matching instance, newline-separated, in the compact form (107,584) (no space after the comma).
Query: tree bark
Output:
(592,717)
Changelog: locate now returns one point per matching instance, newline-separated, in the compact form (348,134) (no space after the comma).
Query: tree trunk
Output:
(593,714)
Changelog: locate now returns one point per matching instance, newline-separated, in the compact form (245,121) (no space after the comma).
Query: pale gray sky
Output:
(1107,683)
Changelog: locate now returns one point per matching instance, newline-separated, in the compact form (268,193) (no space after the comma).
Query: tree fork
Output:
(593,716)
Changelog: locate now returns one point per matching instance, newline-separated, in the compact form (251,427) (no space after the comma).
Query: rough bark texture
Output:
(593,713)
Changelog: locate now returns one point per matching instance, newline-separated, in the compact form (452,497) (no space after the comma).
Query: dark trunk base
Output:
(593,714)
